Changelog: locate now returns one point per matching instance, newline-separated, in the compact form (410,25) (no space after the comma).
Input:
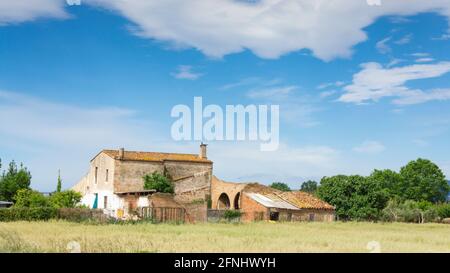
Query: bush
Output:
(81,215)
(158,182)
(443,210)
(27,214)
(26,198)
(232,214)
(65,199)
(410,211)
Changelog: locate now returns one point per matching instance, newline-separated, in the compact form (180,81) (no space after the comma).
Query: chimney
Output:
(202,154)
(121,153)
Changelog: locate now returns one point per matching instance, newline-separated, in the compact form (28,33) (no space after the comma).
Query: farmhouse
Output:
(259,202)
(114,181)
(115,184)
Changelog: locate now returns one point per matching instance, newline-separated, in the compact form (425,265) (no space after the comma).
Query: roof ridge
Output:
(130,151)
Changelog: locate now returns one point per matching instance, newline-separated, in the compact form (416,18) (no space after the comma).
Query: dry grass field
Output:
(55,236)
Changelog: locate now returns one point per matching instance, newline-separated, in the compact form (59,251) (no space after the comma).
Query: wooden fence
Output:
(161,215)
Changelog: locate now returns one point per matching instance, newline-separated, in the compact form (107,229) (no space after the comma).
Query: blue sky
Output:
(359,87)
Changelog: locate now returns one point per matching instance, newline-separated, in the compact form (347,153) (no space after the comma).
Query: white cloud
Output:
(48,136)
(394,62)
(269,28)
(185,72)
(420,142)
(420,54)
(241,83)
(326,94)
(275,93)
(404,40)
(399,20)
(374,82)
(295,109)
(370,147)
(443,37)
(330,84)
(424,60)
(18,11)
(418,96)
(382,46)
(244,161)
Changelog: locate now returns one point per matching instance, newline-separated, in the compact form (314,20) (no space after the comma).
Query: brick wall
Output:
(196,212)
(252,210)
(128,174)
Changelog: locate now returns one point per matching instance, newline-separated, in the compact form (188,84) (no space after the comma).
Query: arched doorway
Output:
(224,202)
(237,200)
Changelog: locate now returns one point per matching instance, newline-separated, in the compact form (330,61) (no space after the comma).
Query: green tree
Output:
(389,180)
(65,199)
(158,182)
(422,180)
(59,184)
(309,186)
(13,180)
(280,186)
(355,197)
(27,198)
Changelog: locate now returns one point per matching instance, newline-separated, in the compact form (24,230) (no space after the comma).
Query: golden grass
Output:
(54,236)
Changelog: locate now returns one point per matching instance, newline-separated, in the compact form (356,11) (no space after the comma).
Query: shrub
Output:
(158,182)
(81,215)
(232,214)
(410,211)
(27,214)
(26,198)
(65,199)
(443,210)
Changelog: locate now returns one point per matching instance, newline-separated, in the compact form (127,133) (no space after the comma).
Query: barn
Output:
(258,202)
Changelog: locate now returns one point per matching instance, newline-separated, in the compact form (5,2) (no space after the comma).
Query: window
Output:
(105,202)
(96,173)
(107,175)
(274,216)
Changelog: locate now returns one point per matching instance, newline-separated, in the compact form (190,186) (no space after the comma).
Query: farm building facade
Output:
(259,202)
(115,184)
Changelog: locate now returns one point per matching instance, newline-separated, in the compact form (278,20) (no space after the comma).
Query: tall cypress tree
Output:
(59,185)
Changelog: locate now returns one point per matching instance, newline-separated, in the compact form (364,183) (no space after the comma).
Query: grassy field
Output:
(256,237)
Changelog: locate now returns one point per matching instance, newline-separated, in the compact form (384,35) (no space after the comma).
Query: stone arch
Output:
(237,201)
(223,202)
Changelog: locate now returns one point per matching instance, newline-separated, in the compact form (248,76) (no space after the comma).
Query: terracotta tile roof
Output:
(305,200)
(271,201)
(155,156)
(299,199)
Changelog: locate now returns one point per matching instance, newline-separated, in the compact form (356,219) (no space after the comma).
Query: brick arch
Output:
(237,201)
(219,187)
(223,202)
